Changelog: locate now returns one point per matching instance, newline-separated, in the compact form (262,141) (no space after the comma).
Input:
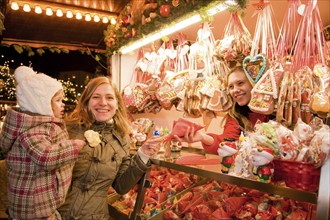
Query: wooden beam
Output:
(41,44)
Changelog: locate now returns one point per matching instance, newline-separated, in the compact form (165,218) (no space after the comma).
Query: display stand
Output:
(213,172)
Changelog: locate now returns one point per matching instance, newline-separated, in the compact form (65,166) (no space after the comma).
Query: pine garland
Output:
(122,33)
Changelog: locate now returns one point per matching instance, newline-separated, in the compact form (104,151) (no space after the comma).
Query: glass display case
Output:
(213,172)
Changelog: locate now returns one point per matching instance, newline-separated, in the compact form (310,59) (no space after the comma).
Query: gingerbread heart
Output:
(254,67)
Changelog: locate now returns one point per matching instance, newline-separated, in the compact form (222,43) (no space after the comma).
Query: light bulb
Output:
(105,20)
(14,6)
(38,9)
(113,21)
(96,18)
(26,8)
(88,17)
(59,13)
(78,16)
(49,12)
(69,14)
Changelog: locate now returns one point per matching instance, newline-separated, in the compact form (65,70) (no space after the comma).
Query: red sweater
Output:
(232,130)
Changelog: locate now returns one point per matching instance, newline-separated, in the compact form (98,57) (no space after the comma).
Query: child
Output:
(39,155)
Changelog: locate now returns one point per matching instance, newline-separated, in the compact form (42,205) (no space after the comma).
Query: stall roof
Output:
(38,30)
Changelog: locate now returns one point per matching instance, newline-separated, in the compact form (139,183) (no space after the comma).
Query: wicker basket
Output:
(298,175)
(278,171)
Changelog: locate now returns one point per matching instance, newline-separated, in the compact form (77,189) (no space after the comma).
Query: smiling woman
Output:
(239,118)
(107,162)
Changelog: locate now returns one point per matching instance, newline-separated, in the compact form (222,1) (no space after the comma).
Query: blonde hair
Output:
(81,115)
(234,111)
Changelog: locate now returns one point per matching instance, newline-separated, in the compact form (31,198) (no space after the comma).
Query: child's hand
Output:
(79,143)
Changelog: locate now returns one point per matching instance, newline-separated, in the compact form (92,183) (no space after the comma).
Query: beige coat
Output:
(98,168)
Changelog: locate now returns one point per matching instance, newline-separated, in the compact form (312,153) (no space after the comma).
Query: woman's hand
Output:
(152,145)
(190,136)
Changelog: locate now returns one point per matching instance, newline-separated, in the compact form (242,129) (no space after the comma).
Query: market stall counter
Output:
(207,167)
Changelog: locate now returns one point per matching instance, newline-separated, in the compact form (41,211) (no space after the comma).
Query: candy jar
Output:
(227,151)
(261,159)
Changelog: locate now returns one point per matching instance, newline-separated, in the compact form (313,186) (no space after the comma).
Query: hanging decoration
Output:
(264,41)
(288,31)
(310,45)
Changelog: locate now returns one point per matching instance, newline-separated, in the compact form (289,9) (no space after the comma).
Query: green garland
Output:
(119,35)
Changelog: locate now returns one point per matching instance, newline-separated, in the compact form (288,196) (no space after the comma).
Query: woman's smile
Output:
(103,103)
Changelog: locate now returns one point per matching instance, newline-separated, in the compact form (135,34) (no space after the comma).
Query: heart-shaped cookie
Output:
(254,67)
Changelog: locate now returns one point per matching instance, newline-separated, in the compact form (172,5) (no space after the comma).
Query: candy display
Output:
(202,202)
(165,184)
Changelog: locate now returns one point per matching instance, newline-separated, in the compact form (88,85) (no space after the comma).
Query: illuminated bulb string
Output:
(39,8)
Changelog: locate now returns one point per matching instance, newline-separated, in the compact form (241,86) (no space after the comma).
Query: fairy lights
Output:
(52,8)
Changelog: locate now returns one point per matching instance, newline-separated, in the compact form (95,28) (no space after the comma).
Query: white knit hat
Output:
(35,91)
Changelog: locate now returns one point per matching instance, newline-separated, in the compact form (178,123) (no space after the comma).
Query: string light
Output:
(96,18)
(105,20)
(88,17)
(49,12)
(38,10)
(51,7)
(59,13)
(69,14)
(113,21)
(78,16)
(26,8)
(14,6)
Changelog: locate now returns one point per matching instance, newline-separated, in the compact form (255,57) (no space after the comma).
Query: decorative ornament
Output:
(254,67)
(261,159)
(260,5)
(227,151)
(149,11)
(125,21)
(165,10)
(128,35)
(175,3)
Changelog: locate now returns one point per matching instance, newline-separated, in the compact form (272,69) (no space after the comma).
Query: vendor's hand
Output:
(190,136)
(152,145)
